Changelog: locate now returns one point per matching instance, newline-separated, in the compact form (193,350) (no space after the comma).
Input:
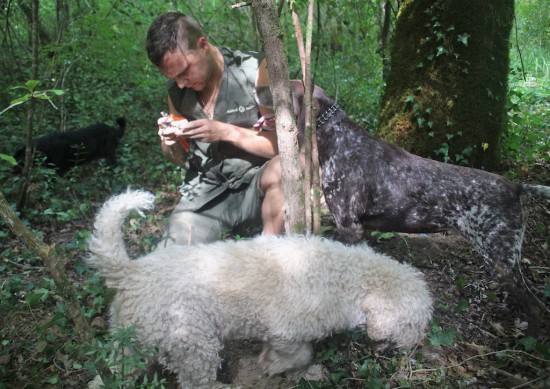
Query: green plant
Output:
(126,358)
(380,236)
(438,336)
(459,158)
(444,39)
(32,93)
(10,289)
(527,138)
(8,158)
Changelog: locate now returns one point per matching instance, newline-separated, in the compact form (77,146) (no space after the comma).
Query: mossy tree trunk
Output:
(446,91)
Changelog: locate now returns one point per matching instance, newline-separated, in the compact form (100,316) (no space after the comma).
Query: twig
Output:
(481,356)
(510,376)
(24,266)
(409,363)
(529,383)
(519,49)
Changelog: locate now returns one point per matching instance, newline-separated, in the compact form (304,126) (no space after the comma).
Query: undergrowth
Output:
(443,360)
(528,137)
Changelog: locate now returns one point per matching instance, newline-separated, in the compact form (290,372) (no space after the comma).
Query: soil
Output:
(487,327)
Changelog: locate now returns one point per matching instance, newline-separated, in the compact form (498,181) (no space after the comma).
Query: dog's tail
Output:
(536,190)
(106,244)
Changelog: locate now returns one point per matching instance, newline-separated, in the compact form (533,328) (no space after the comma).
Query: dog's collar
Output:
(329,112)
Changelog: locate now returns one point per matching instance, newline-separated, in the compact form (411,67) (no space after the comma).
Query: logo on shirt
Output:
(240,109)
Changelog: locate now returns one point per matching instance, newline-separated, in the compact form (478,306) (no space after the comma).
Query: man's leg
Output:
(262,201)
(187,228)
(273,204)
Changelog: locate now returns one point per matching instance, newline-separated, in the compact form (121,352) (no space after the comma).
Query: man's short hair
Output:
(170,31)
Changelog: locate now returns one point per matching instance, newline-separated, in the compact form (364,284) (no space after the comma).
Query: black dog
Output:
(64,150)
(371,184)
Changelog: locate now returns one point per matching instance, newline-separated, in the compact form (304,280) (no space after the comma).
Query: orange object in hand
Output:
(176,118)
(183,142)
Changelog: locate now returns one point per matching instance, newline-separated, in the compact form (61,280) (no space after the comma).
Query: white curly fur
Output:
(284,291)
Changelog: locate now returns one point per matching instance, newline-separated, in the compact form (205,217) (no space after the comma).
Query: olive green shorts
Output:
(236,211)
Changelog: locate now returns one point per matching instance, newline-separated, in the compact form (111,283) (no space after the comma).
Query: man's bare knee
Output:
(271,176)
(274,201)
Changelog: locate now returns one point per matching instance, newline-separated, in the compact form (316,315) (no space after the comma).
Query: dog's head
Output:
(320,99)
(321,103)
(121,121)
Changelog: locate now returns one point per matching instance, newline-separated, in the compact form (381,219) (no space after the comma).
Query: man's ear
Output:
(297,89)
(202,42)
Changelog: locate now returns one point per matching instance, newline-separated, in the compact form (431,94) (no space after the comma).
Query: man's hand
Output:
(266,122)
(169,130)
(206,130)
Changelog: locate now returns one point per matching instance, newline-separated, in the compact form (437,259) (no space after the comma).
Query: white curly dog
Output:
(283,291)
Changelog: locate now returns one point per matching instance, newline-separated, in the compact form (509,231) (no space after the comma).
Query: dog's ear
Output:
(297,89)
(321,101)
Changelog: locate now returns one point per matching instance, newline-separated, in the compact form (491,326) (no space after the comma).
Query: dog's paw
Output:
(285,357)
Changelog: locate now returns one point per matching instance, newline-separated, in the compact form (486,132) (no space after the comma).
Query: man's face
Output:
(188,70)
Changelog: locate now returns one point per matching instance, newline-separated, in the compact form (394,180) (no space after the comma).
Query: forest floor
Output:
(477,336)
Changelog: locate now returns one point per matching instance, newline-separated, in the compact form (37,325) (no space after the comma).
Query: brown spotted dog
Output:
(372,184)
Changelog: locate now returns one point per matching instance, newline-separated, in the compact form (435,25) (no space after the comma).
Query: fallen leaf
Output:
(499,328)
(478,349)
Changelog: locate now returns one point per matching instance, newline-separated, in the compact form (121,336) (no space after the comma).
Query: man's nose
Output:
(181,83)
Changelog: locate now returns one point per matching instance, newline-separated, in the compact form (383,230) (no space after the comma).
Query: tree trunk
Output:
(385,21)
(62,16)
(287,132)
(29,152)
(446,90)
(310,125)
(28,12)
(312,184)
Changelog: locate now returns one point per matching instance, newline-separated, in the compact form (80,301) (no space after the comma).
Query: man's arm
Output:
(262,142)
